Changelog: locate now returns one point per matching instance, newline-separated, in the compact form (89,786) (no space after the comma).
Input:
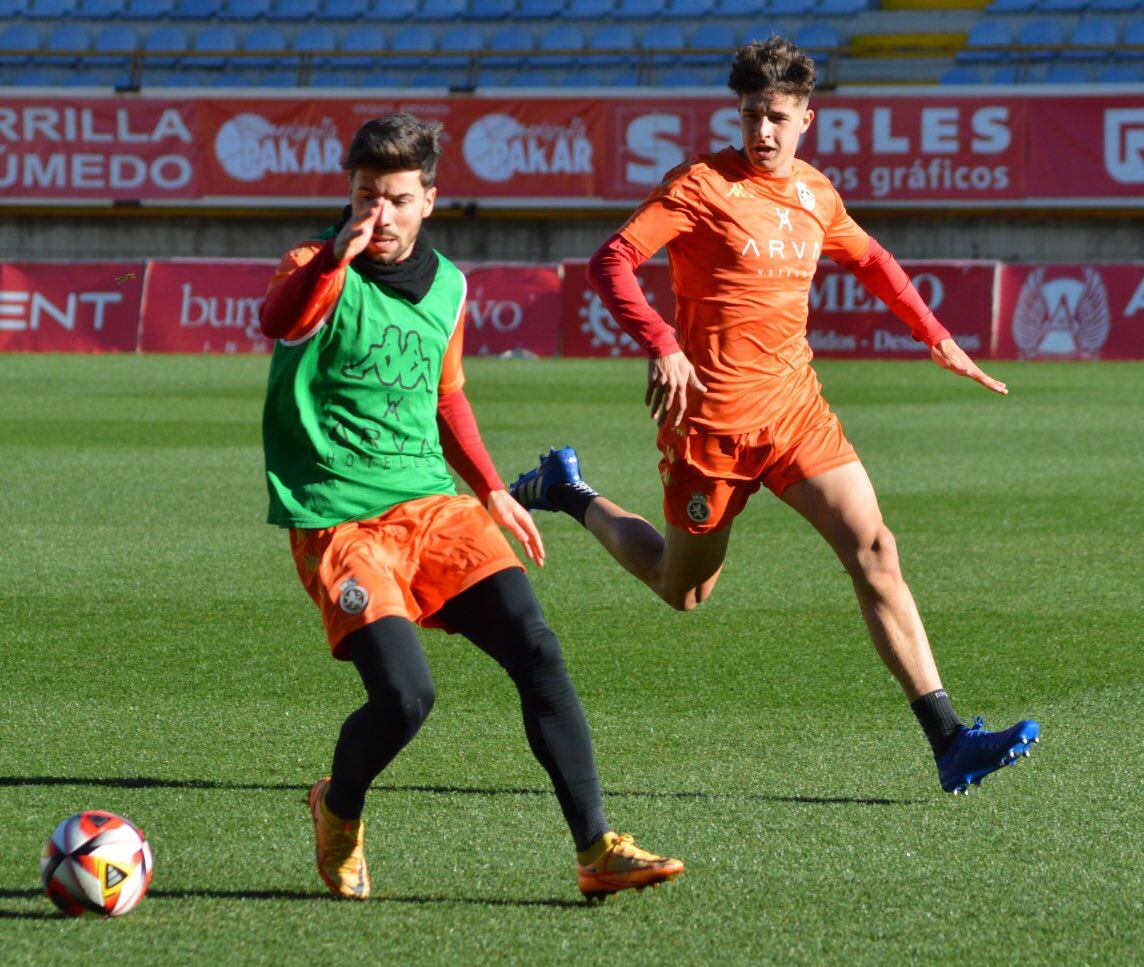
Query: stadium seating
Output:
(513,37)
(417,39)
(986,33)
(316,40)
(99,9)
(198,10)
(215,38)
(367,40)
(539,9)
(49,9)
(716,37)
(269,40)
(1066,74)
(961,75)
(441,9)
(148,9)
(291,10)
(740,8)
(68,37)
(1115,6)
(1133,37)
(343,10)
(588,9)
(19,37)
(636,9)
(244,9)
(166,39)
(459,43)
(114,39)
(661,43)
(611,38)
(490,9)
(1092,32)
(689,9)
(1119,74)
(561,37)
(1040,33)
(1012,6)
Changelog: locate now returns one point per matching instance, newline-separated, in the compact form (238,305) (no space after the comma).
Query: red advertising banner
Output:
(936,147)
(292,149)
(846,320)
(588,329)
(1070,312)
(205,306)
(512,309)
(52,307)
(130,149)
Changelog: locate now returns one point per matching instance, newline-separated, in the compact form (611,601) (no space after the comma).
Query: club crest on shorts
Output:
(697,508)
(353,598)
(805,196)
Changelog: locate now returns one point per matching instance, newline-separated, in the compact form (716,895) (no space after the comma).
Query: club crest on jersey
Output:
(697,508)
(805,196)
(353,598)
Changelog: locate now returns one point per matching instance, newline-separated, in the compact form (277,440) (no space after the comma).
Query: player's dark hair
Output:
(775,65)
(397,142)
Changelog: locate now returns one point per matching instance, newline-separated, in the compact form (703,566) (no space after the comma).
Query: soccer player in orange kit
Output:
(737,402)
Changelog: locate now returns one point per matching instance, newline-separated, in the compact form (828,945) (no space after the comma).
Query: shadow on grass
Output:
(150,782)
(312,896)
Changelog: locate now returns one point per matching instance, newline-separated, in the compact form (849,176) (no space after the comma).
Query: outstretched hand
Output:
(504,509)
(668,380)
(949,355)
(351,241)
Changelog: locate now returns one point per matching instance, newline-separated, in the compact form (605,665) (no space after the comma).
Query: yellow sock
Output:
(597,849)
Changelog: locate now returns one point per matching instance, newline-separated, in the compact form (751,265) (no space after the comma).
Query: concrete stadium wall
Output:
(1049,237)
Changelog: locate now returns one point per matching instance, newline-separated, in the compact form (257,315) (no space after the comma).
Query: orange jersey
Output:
(743,247)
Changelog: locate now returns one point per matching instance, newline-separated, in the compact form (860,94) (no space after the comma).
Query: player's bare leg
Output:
(842,506)
(681,568)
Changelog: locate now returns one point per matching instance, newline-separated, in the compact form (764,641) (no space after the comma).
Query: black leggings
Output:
(502,617)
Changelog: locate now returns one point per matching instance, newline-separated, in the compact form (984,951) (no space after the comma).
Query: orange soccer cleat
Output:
(614,862)
(340,847)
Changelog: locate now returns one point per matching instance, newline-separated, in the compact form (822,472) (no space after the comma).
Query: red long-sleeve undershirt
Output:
(299,297)
(612,273)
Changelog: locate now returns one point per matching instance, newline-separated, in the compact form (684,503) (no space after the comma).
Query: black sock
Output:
(938,720)
(572,498)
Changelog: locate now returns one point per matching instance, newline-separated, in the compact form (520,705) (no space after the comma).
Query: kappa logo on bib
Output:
(697,508)
(353,598)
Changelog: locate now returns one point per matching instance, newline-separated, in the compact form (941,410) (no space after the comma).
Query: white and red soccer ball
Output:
(96,863)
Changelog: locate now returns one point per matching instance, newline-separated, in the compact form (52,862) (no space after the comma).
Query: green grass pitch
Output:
(160,660)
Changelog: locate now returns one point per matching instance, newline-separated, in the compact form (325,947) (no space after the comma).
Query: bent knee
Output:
(875,560)
(686,600)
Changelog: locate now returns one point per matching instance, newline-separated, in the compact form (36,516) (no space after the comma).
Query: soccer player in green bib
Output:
(364,406)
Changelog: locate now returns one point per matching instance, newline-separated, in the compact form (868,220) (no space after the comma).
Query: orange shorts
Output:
(408,562)
(708,477)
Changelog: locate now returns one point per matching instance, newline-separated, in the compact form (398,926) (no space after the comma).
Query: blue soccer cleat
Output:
(558,467)
(975,753)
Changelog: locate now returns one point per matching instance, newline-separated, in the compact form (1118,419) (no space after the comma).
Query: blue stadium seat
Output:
(244,9)
(315,40)
(490,9)
(740,8)
(214,38)
(461,42)
(789,8)
(688,9)
(611,38)
(389,11)
(382,79)
(291,10)
(539,9)
(69,37)
(531,79)
(34,78)
(625,78)
(683,77)
(90,78)
(200,10)
(116,37)
(441,10)
(49,9)
(148,9)
(986,33)
(279,78)
(560,37)
(368,41)
(415,37)
(636,9)
(1006,75)
(344,10)
(1040,33)
(588,9)
(333,78)
(840,8)
(1119,74)
(819,37)
(513,37)
(582,79)
(1066,74)
(1115,6)
(1134,36)
(1092,32)
(268,40)
(12,8)
(1061,6)
(960,75)
(663,43)
(99,9)
(1012,6)
(760,32)
(719,37)
(166,38)
(447,79)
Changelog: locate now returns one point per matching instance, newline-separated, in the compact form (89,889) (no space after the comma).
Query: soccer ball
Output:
(96,863)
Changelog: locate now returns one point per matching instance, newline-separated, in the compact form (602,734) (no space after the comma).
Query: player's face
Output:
(772,124)
(405,203)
